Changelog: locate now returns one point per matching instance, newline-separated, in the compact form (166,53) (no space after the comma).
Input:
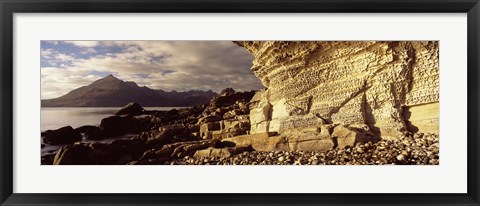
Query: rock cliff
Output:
(389,87)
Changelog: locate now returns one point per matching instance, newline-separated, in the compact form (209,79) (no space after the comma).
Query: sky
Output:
(166,65)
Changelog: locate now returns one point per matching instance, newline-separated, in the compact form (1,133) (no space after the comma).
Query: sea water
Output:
(57,117)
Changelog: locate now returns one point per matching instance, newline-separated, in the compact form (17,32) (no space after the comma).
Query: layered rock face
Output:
(390,87)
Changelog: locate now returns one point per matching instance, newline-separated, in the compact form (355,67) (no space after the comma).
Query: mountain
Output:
(112,92)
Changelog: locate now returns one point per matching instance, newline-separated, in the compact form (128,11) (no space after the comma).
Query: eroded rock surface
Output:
(392,87)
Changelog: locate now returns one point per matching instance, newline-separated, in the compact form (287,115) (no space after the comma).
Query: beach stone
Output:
(346,136)
(64,135)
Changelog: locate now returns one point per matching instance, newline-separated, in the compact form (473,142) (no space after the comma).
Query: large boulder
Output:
(132,147)
(64,135)
(132,108)
(117,125)
(83,129)
(349,136)
(94,133)
(308,139)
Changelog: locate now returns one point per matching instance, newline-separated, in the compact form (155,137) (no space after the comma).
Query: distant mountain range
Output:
(112,92)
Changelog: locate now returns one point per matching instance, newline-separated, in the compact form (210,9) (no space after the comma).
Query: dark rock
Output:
(46,132)
(83,129)
(84,154)
(173,151)
(181,116)
(211,118)
(169,134)
(172,112)
(133,147)
(227,91)
(194,128)
(64,135)
(227,100)
(117,125)
(94,133)
(113,124)
(48,159)
(132,108)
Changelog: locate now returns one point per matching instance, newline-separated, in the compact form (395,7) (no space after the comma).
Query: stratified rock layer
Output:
(391,87)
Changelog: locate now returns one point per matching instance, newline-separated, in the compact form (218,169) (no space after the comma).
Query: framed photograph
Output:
(237,102)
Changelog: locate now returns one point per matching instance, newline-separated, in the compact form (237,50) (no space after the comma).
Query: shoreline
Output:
(86,112)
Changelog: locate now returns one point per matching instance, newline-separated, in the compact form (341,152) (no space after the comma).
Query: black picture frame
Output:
(10,7)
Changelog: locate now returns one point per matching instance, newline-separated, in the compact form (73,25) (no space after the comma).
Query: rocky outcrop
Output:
(227,115)
(117,125)
(392,87)
(313,138)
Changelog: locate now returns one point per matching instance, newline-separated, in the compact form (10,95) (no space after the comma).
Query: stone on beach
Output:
(64,135)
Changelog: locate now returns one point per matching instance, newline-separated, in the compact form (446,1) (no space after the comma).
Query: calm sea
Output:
(56,117)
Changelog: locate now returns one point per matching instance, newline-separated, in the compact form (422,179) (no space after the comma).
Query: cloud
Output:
(166,65)
(83,43)
(46,53)
(57,81)
(64,57)
(89,51)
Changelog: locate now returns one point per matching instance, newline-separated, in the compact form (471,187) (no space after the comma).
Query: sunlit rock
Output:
(380,84)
